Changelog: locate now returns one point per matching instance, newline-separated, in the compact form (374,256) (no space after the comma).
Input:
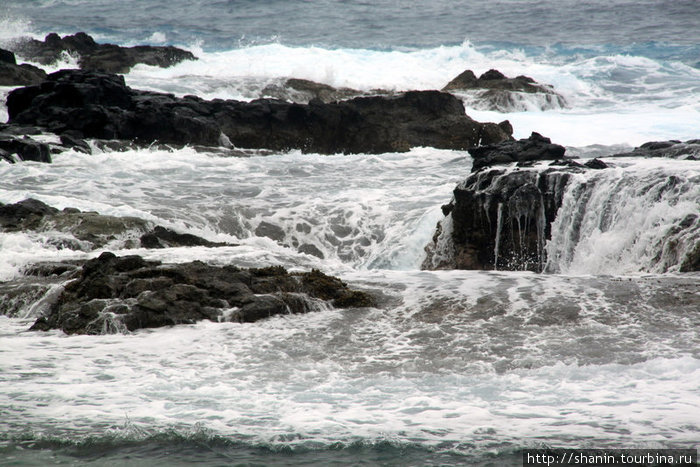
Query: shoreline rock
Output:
(303,91)
(100,105)
(98,57)
(91,230)
(17,148)
(12,74)
(118,294)
(494,91)
(501,218)
(534,148)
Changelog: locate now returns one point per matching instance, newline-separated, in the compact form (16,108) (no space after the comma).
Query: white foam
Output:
(620,221)
(377,374)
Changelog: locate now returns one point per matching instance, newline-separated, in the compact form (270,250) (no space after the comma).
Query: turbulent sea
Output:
(452,367)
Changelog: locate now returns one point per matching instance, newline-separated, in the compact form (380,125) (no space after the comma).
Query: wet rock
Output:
(91,230)
(691,263)
(311,249)
(494,91)
(12,74)
(673,149)
(303,91)
(22,297)
(534,148)
(596,164)
(269,230)
(128,293)
(24,215)
(7,57)
(99,57)
(161,237)
(499,219)
(15,148)
(99,105)
(72,140)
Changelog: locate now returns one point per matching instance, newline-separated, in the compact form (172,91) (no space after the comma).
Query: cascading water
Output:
(643,216)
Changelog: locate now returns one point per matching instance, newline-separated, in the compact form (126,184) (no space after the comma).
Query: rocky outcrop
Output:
(534,148)
(15,148)
(90,230)
(20,143)
(161,237)
(99,57)
(303,91)
(499,219)
(114,294)
(99,105)
(494,91)
(673,149)
(502,217)
(12,74)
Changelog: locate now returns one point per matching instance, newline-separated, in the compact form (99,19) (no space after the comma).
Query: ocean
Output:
(451,367)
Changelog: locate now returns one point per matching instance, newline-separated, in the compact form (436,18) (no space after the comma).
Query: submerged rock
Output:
(12,74)
(20,142)
(100,105)
(672,149)
(127,293)
(160,237)
(494,91)
(303,91)
(100,57)
(90,230)
(16,148)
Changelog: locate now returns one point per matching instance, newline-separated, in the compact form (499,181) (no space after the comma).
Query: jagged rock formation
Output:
(12,74)
(113,294)
(99,105)
(98,57)
(494,91)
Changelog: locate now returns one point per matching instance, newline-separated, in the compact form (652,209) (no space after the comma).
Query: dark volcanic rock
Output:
(24,215)
(91,230)
(12,74)
(127,293)
(534,148)
(100,57)
(303,91)
(15,148)
(672,149)
(160,237)
(494,91)
(99,105)
(499,219)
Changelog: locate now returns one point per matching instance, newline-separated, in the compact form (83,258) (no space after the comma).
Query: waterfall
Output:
(642,218)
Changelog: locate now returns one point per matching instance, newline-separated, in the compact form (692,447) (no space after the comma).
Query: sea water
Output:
(451,367)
